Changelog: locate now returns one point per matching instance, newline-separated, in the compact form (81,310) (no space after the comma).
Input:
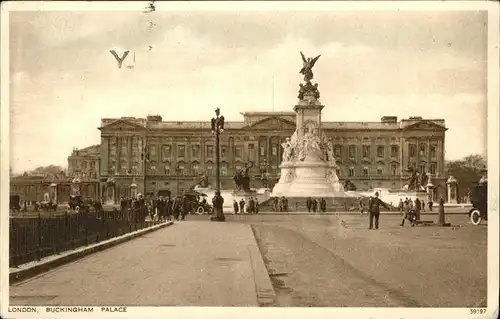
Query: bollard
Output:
(441,212)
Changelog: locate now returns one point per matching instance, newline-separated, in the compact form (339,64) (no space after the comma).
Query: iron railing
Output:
(34,238)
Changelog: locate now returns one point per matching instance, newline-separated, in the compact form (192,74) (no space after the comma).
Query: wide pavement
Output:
(197,263)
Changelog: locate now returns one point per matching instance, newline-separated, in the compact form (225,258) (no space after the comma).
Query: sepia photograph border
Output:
(253,312)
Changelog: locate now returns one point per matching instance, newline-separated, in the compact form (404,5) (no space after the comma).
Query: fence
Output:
(33,238)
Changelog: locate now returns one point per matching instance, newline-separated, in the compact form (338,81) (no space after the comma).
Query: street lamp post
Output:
(177,173)
(217,129)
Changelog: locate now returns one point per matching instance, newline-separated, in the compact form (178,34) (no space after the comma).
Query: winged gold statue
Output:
(307,67)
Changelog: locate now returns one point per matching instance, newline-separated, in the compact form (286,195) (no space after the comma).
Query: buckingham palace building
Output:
(147,155)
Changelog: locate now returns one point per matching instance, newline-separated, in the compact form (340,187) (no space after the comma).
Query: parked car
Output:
(198,203)
(479,201)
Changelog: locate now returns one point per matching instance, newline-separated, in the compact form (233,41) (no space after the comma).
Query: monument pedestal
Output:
(310,178)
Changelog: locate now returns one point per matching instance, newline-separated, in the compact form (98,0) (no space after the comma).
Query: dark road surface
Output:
(318,260)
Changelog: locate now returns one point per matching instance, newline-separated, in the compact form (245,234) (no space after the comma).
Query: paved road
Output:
(187,264)
(327,262)
(314,260)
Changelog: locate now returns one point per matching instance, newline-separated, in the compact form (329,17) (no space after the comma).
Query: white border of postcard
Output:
(228,312)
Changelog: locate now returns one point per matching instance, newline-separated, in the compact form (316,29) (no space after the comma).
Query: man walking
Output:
(242,206)
(322,204)
(374,209)
(309,204)
(235,206)
(417,208)
(315,205)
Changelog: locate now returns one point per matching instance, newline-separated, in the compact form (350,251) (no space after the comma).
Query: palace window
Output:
(210,151)
(422,167)
(251,146)
(112,150)
(238,151)
(223,151)
(380,151)
(380,171)
(422,149)
(351,171)
(262,150)
(223,169)
(394,151)
(124,145)
(412,148)
(433,151)
(152,150)
(195,150)
(210,170)
(366,150)
(182,151)
(135,142)
(166,169)
(195,168)
(166,152)
(274,150)
(432,168)
(337,151)
(92,164)
(180,170)
(84,165)
(365,171)
(394,169)
(352,151)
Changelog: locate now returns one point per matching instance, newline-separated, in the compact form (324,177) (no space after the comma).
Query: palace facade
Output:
(147,155)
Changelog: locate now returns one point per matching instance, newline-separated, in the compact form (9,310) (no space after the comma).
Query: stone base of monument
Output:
(308,179)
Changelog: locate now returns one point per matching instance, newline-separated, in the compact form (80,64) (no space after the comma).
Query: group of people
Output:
(312,205)
(408,207)
(252,207)
(162,209)
(280,204)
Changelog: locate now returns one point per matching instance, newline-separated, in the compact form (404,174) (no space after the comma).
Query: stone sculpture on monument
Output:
(308,167)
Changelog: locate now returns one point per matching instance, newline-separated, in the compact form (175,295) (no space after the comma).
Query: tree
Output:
(468,171)
(51,170)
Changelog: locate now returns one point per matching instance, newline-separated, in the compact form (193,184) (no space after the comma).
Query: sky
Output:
(373,63)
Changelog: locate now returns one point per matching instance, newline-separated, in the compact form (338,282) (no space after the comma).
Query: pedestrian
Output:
(185,207)
(168,208)
(374,210)
(417,208)
(361,206)
(322,204)
(256,206)
(285,200)
(401,206)
(309,204)
(251,206)
(315,205)
(242,206)
(235,206)
(281,204)
(176,207)
(276,204)
(423,206)
(430,205)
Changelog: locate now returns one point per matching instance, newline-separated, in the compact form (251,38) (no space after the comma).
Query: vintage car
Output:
(198,203)
(479,201)
(81,205)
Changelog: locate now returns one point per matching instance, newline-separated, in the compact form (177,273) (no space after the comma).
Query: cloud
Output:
(367,69)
